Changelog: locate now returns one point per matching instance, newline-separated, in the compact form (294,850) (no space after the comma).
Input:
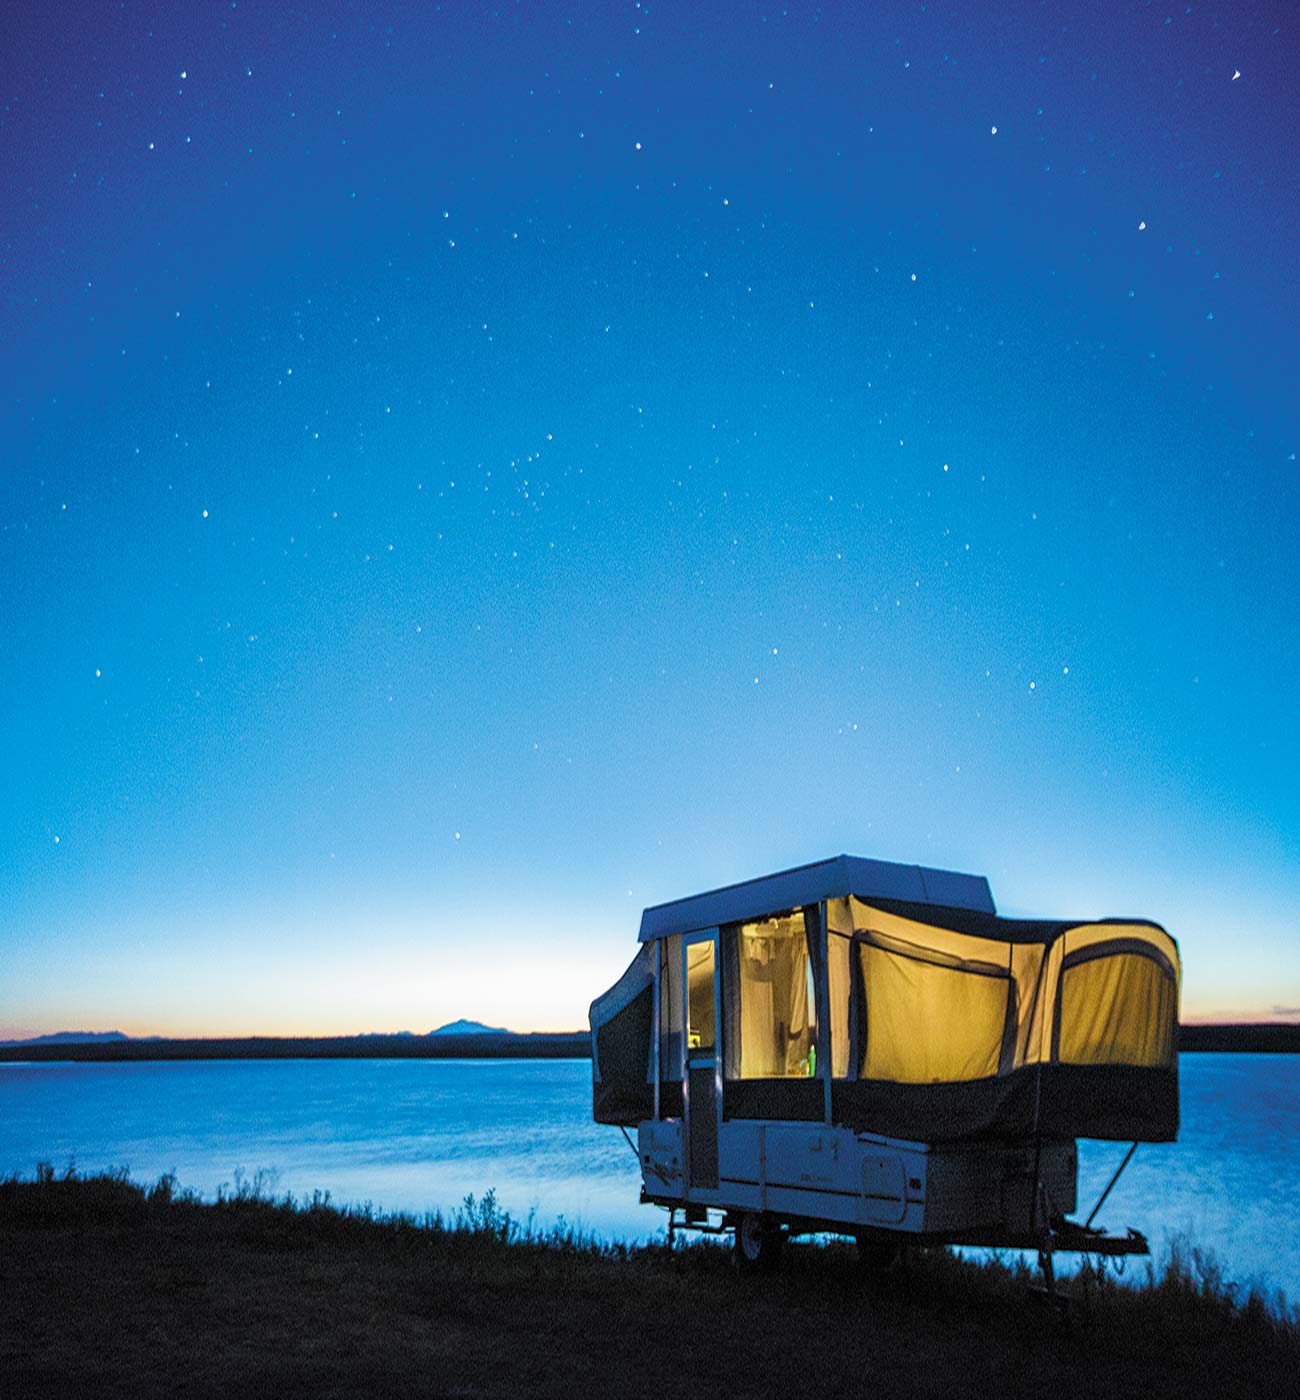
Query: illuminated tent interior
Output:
(931,1021)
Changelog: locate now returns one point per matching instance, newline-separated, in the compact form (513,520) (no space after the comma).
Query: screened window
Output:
(777,1003)
(1117,1009)
(699,995)
(929,1023)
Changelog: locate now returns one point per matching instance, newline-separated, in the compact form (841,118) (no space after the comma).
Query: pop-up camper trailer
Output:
(866,1048)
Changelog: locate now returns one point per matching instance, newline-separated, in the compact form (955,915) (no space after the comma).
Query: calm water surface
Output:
(420,1135)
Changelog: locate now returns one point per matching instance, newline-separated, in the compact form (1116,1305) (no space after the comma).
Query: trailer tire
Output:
(876,1254)
(758,1242)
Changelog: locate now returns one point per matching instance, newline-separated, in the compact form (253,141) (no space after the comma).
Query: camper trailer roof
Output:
(811,884)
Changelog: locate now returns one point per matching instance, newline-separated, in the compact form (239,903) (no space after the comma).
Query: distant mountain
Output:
(69,1038)
(469,1028)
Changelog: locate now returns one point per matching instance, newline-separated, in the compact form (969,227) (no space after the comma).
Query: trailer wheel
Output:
(758,1241)
(876,1254)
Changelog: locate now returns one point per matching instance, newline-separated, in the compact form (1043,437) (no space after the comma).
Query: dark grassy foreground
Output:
(111,1289)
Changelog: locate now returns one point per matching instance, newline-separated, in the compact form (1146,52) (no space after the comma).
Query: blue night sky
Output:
(468,473)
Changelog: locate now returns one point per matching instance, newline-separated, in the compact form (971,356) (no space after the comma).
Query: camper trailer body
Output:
(830,1179)
(862,1047)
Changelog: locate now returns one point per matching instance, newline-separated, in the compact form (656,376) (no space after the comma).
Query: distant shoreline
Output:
(1261,1038)
(540,1045)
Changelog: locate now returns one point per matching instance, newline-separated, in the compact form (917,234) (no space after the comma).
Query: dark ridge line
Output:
(540,1045)
(1252,1037)
(1261,1038)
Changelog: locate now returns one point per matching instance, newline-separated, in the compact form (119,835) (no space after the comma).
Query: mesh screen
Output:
(777,1021)
(930,1024)
(1117,1010)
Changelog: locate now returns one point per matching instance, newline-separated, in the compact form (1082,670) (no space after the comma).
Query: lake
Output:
(420,1135)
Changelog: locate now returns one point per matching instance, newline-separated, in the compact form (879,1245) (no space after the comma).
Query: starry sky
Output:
(469,472)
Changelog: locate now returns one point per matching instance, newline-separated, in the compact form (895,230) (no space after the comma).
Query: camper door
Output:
(700,977)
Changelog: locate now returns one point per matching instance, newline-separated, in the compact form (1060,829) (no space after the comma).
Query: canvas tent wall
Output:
(932,1018)
(621,1051)
(963,1024)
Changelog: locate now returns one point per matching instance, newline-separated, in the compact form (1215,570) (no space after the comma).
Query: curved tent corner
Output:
(621,1051)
